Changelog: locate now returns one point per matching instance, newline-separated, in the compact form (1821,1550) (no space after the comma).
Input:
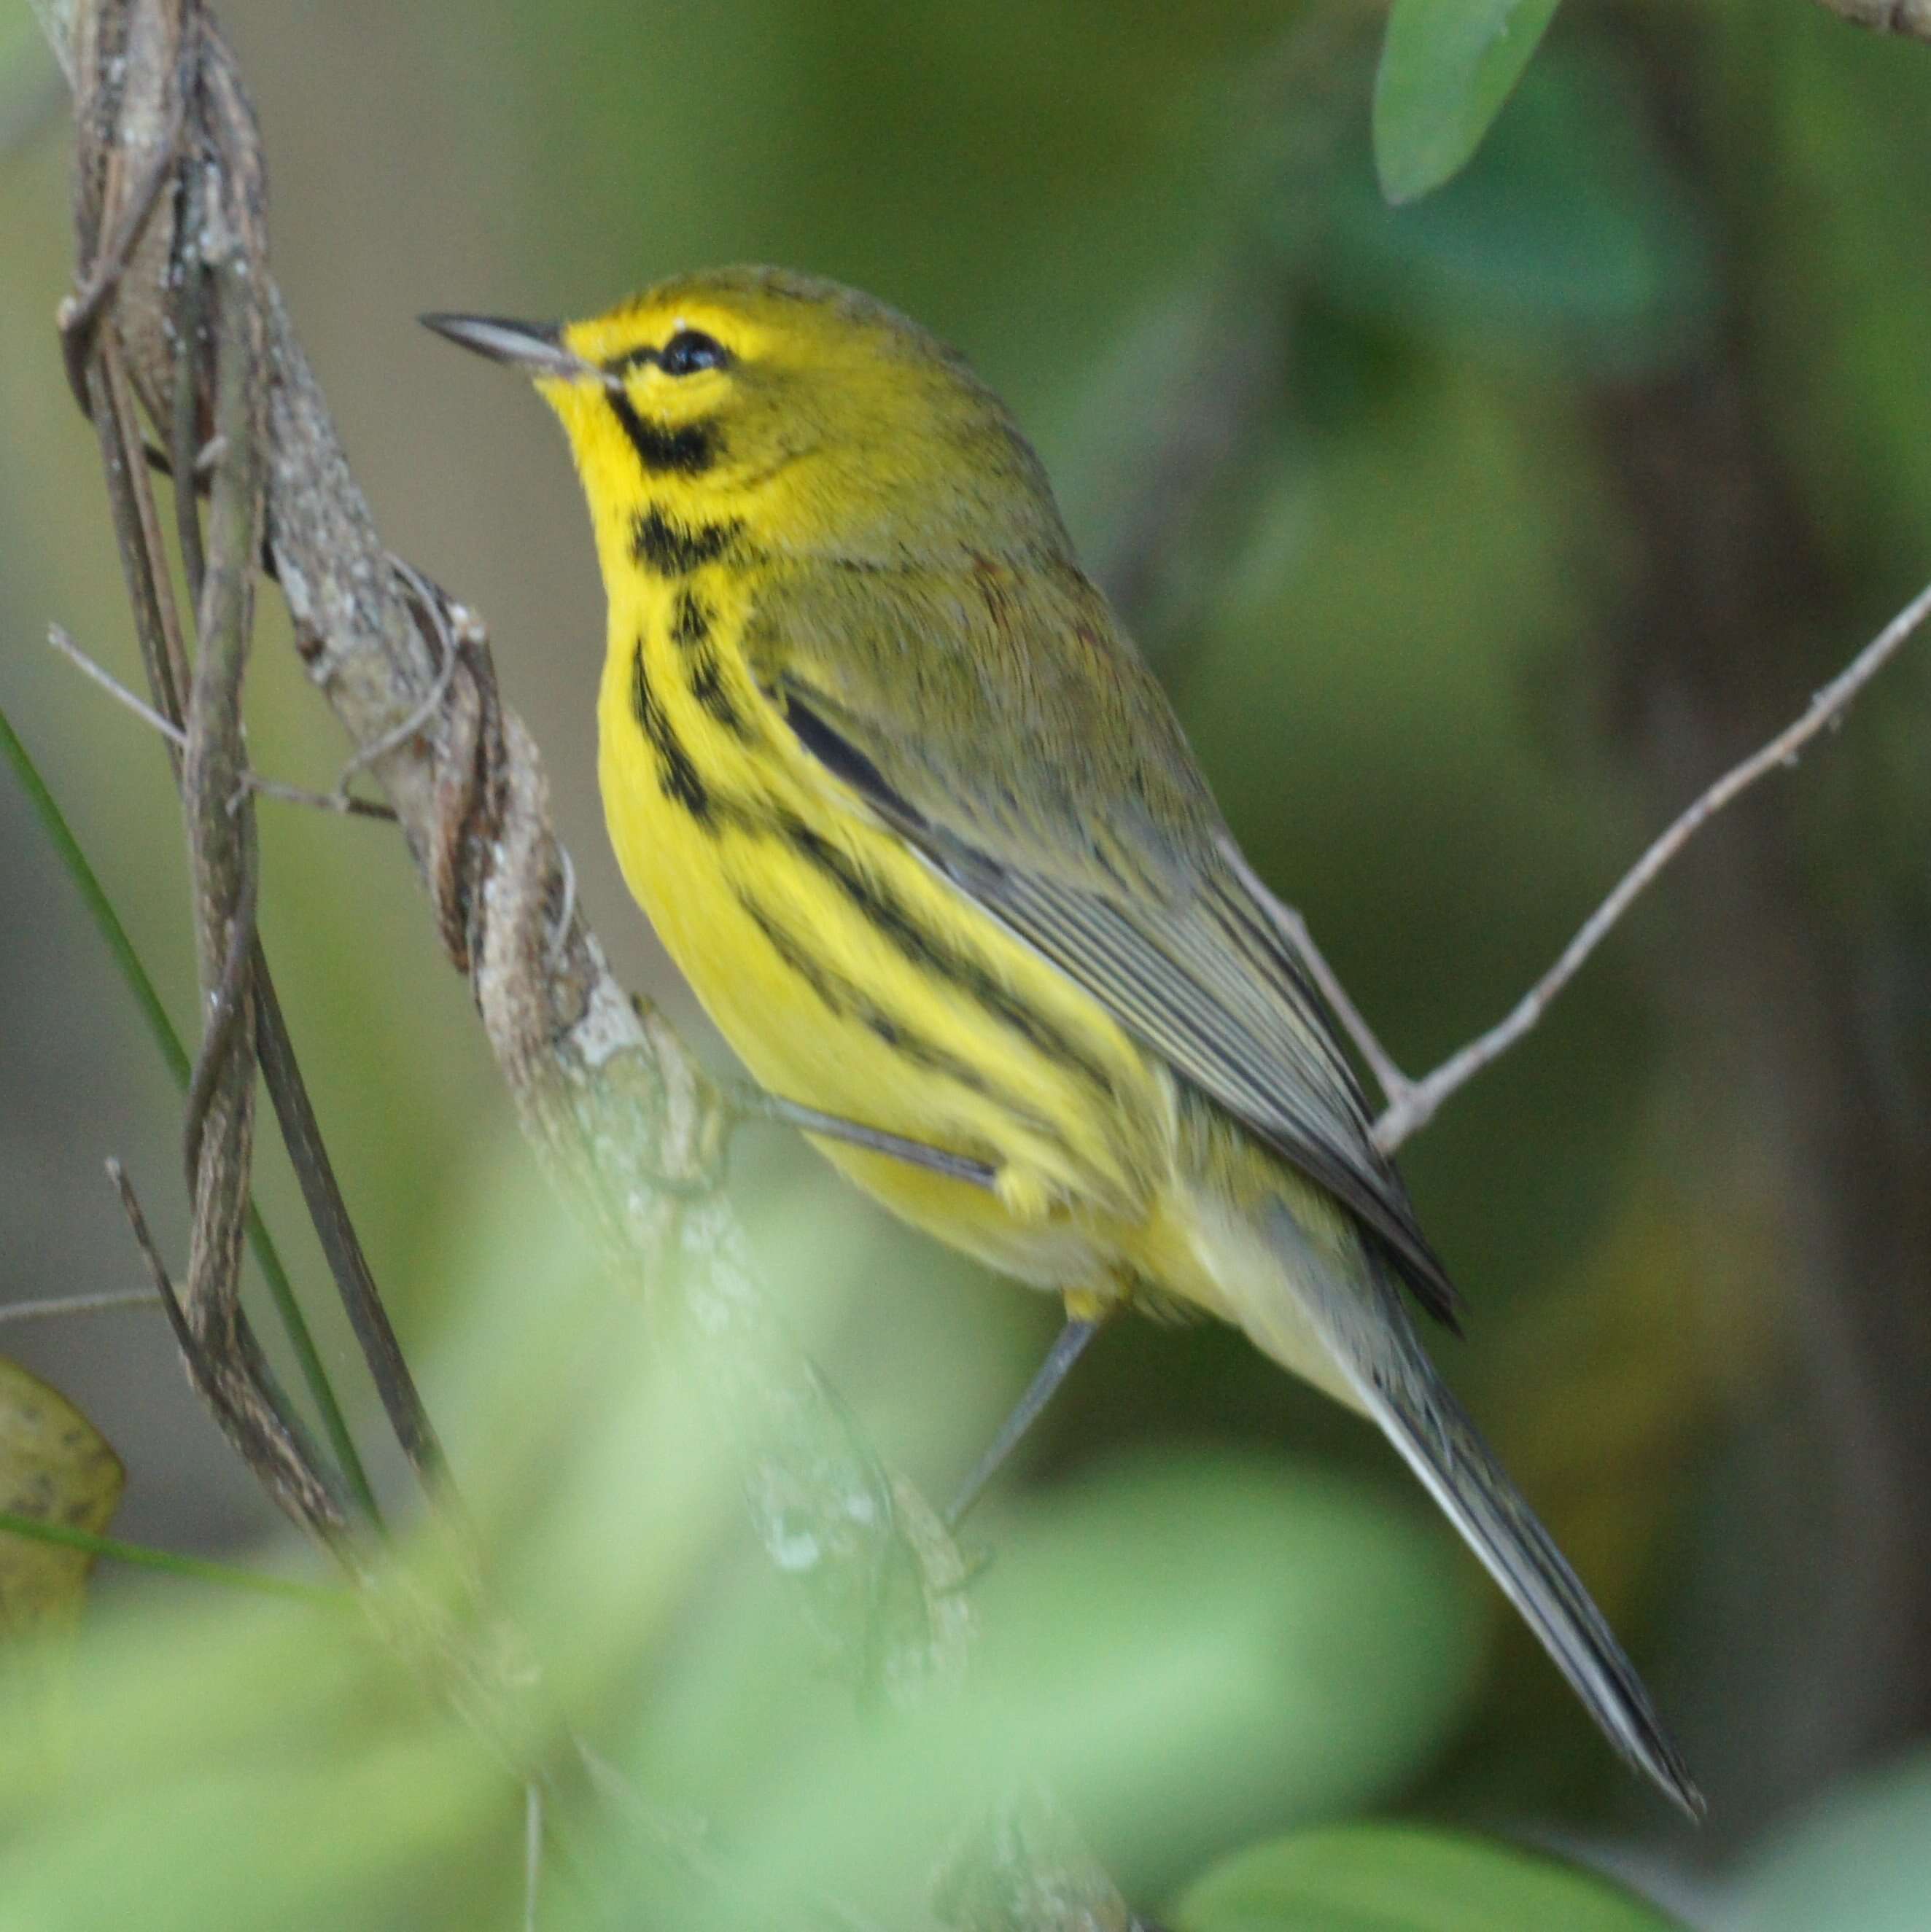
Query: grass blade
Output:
(161,1030)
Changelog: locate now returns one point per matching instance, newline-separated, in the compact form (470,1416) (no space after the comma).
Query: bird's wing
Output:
(1009,734)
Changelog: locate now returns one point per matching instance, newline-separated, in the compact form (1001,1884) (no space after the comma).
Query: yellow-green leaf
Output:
(55,1467)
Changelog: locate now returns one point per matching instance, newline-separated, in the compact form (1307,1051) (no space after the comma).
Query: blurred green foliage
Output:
(1386,1879)
(1389,596)
(1863,1859)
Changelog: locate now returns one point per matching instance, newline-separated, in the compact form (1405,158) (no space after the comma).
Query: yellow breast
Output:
(847,974)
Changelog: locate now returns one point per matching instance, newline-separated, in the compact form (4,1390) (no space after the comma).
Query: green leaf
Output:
(1395,1878)
(1446,67)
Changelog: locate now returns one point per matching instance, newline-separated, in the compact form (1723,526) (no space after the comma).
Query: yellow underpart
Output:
(764,876)
(826,1007)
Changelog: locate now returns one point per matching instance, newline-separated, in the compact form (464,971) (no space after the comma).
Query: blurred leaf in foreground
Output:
(1390,1878)
(1446,67)
(54,1467)
(1234,1646)
(1860,1862)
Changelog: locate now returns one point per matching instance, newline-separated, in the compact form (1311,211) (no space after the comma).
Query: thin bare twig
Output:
(80,312)
(227,1367)
(344,803)
(185,449)
(169,675)
(144,1242)
(51,1305)
(1413,1104)
(62,641)
(212,249)
(451,625)
(218,1126)
(136,567)
(401,1401)
(241,1402)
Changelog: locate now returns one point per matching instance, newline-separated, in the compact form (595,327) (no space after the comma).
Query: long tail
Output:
(1366,1325)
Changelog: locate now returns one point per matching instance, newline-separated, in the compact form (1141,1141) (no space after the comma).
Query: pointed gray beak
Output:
(536,348)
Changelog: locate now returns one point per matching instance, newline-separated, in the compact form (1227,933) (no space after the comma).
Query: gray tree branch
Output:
(626,1124)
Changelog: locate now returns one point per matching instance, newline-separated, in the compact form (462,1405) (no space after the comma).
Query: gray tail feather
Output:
(1379,1351)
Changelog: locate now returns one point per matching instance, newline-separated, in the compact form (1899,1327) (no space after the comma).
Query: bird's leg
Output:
(1067,1347)
(754,1103)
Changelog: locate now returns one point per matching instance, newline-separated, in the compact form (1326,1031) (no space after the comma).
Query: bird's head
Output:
(815,418)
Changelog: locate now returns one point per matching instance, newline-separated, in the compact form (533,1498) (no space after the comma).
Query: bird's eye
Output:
(689,350)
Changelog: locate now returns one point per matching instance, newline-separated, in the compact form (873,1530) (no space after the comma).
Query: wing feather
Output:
(1122,885)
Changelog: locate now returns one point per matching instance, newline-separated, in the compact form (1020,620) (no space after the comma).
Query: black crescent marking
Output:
(668,547)
(688,450)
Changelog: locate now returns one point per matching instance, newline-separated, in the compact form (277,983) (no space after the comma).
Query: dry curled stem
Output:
(624,1121)
(175,314)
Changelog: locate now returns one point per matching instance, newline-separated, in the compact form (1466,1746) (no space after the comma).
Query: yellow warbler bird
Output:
(922,831)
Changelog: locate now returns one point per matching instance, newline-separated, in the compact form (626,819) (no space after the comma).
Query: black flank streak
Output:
(690,631)
(689,450)
(663,544)
(970,977)
(843,1000)
(707,688)
(676,776)
(835,993)
(690,622)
